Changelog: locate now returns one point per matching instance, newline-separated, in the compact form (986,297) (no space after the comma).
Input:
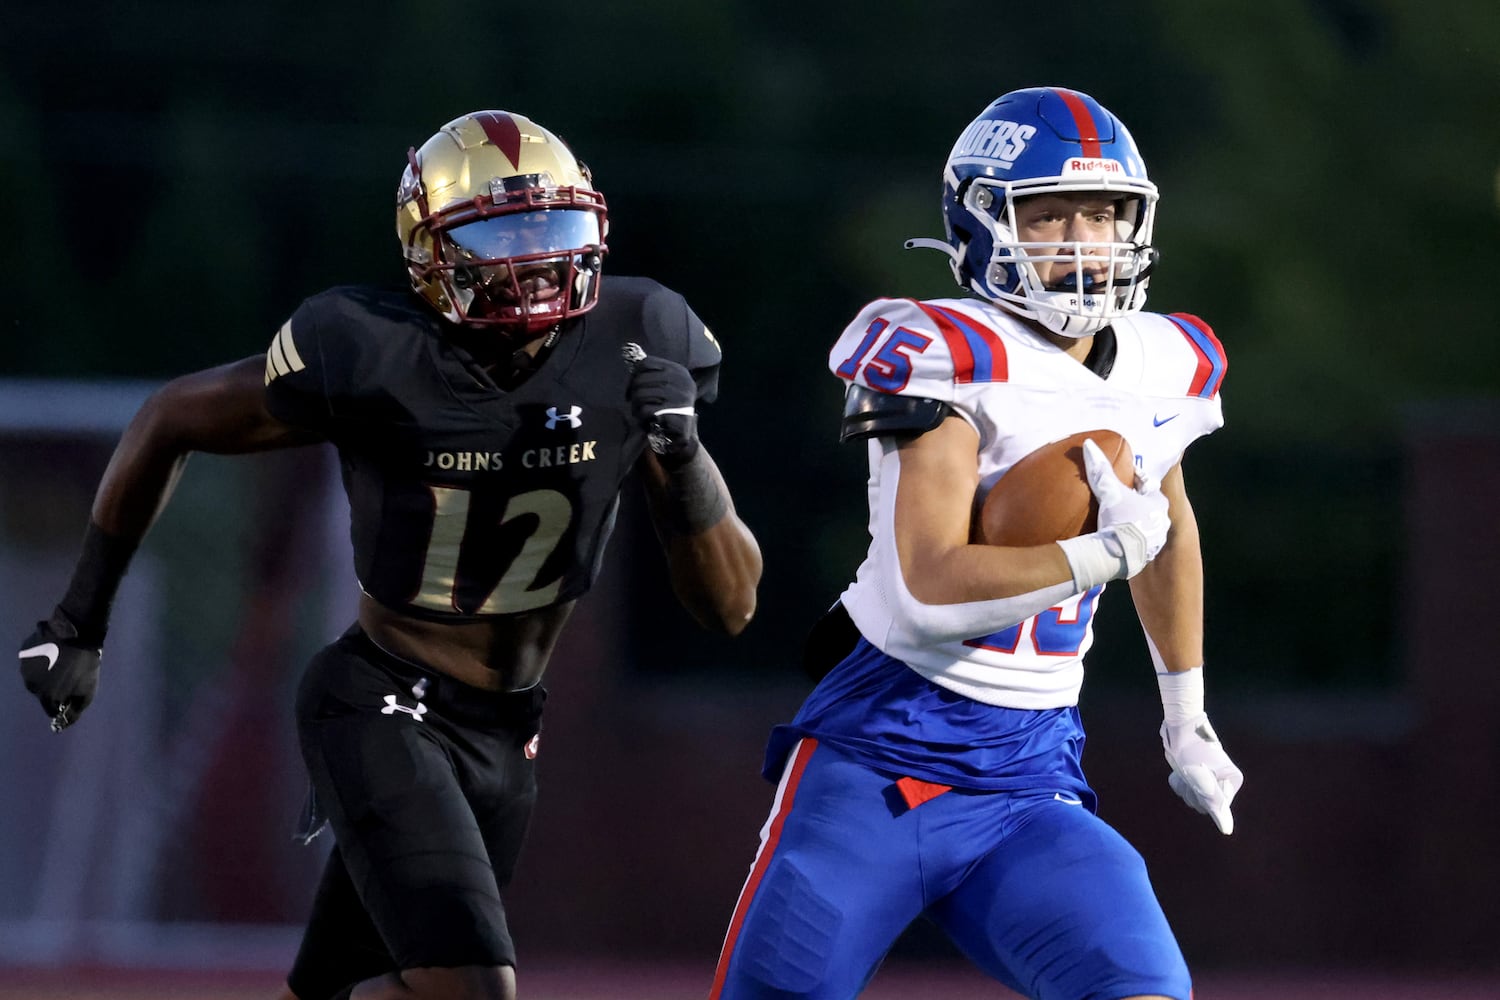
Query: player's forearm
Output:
(715,574)
(961,574)
(220,410)
(136,484)
(690,498)
(714,560)
(1168,596)
(953,601)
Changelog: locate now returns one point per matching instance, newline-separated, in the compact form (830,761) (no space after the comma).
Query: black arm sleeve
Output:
(869,414)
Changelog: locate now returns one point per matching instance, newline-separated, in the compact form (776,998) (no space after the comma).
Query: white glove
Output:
(1137,517)
(1202,773)
(1133,525)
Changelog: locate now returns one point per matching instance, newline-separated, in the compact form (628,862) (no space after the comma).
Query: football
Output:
(1045,498)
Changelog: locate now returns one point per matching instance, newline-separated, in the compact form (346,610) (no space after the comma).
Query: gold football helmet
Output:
(500,225)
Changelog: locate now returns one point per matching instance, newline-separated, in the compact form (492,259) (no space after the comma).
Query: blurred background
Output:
(177,177)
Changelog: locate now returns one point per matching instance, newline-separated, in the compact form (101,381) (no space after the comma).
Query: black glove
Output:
(661,396)
(60,669)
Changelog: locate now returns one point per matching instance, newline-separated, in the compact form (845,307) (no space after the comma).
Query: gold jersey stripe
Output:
(282,358)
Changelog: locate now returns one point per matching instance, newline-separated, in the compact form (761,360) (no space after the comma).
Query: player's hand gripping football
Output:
(661,396)
(60,669)
(1135,518)
(1202,773)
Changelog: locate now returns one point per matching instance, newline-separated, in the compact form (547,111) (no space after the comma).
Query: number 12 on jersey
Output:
(440,586)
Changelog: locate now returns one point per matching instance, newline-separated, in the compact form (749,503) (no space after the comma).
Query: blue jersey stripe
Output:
(1209,350)
(979,345)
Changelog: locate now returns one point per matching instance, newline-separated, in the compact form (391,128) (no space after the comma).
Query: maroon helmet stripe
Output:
(501,130)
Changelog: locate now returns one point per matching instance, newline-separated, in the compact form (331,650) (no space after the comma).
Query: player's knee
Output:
(469,982)
(789,940)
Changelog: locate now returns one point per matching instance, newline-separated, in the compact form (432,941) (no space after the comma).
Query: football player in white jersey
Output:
(936,767)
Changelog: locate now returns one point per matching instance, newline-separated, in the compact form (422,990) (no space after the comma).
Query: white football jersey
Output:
(1019,392)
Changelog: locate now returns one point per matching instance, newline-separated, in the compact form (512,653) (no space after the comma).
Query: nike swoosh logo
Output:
(1158,421)
(1072,802)
(47,649)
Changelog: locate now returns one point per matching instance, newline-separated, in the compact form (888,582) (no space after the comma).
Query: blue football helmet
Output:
(1047,140)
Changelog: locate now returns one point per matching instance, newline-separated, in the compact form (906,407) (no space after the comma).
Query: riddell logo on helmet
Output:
(993,139)
(1092,167)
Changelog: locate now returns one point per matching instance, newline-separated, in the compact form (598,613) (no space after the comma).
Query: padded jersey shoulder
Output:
(340,344)
(919,348)
(1176,354)
(644,311)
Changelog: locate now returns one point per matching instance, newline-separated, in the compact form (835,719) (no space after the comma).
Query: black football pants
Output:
(428,785)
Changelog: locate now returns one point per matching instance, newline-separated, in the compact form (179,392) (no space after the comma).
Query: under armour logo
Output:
(391,708)
(572,417)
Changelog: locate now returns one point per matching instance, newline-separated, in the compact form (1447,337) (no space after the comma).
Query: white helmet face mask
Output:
(1091,283)
(1048,141)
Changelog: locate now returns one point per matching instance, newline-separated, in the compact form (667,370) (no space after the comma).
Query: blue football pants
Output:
(1037,891)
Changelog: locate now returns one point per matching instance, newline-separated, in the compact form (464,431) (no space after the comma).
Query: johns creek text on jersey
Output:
(531,458)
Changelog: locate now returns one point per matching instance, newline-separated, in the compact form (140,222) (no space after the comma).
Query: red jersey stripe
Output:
(978,352)
(958,345)
(1212,362)
(985,346)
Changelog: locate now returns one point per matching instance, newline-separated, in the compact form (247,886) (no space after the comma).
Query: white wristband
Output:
(1093,559)
(1181,695)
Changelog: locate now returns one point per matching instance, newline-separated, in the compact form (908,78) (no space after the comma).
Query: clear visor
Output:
(525,234)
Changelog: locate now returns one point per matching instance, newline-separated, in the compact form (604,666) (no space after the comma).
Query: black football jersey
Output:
(467,500)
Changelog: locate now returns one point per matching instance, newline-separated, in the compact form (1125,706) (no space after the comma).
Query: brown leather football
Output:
(1045,498)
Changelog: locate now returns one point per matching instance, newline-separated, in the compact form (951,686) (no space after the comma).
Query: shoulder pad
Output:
(868,413)
(646,311)
(924,349)
(1212,363)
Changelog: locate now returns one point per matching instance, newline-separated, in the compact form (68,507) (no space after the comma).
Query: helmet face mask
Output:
(501,226)
(1037,142)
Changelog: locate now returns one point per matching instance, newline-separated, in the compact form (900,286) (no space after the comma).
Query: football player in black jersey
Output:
(485,421)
